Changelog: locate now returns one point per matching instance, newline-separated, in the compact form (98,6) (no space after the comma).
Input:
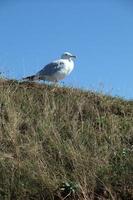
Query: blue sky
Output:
(98,32)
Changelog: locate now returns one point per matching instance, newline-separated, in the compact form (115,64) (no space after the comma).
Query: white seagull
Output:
(56,70)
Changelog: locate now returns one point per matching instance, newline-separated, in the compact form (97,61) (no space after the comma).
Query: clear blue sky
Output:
(99,32)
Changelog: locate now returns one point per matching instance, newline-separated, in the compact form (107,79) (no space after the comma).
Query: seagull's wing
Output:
(51,68)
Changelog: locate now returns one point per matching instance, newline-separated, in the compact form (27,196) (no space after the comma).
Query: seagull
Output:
(56,70)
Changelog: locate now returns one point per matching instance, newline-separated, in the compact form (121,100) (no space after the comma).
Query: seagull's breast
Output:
(64,68)
(67,67)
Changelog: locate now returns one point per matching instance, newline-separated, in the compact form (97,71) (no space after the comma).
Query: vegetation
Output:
(64,143)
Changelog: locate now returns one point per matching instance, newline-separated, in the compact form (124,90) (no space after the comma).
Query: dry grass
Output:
(51,135)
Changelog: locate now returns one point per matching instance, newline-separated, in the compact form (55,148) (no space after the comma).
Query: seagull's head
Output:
(67,55)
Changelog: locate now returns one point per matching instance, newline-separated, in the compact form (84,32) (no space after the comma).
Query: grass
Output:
(64,143)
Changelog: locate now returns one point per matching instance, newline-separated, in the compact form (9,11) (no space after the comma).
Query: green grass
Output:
(64,143)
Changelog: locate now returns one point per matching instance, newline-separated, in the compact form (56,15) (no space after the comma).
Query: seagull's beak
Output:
(73,56)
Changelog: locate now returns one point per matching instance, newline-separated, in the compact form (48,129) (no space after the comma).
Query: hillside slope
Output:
(51,135)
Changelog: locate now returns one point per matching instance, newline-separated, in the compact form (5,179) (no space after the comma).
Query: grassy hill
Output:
(64,143)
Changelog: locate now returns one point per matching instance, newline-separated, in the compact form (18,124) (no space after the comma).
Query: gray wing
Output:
(51,69)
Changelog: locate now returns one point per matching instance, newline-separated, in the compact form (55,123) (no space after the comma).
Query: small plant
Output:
(68,189)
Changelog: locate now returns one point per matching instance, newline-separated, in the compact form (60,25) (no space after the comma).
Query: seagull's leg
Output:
(44,81)
(62,83)
(55,83)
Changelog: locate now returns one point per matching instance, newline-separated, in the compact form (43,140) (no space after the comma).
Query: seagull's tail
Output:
(31,78)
